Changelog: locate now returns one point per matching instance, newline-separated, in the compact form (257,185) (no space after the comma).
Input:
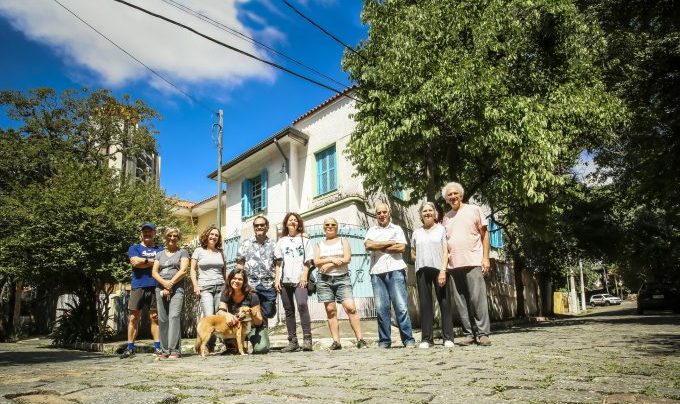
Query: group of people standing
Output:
(451,256)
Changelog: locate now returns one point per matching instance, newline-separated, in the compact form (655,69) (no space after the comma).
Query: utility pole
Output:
(573,300)
(219,168)
(583,286)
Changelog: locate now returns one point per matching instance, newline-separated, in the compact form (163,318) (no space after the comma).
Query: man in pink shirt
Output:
(468,241)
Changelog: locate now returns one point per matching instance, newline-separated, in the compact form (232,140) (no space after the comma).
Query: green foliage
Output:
(640,171)
(501,96)
(78,223)
(66,219)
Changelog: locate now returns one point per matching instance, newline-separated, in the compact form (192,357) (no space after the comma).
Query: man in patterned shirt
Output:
(256,256)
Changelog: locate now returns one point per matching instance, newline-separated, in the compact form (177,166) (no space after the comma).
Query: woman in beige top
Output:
(332,257)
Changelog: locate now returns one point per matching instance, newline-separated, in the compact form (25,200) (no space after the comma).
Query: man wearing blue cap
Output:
(143,293)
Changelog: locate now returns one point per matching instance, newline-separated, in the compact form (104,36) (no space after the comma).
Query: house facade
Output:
(303,168)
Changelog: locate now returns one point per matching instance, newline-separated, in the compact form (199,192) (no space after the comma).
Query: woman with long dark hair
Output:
(208,273)
(294,257)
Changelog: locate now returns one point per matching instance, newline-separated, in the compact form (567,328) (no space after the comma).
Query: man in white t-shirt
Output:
(468,242)
(386,242)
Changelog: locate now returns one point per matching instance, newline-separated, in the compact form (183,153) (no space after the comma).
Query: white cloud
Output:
(176,53)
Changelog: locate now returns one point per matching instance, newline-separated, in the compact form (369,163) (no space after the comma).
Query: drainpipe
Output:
(285,159)
(285,164)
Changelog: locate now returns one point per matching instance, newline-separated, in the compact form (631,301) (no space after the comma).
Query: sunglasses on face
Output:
(259,226)
(173,236)
(330,225)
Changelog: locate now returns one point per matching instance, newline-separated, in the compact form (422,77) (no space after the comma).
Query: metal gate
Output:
(358,270)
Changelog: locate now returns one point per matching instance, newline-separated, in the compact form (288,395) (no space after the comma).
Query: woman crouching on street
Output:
(168,270)
(294,255)
(430,253)
(237,294)
(332,257)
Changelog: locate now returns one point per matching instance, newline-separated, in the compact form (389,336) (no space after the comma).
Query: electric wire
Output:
(160,76)
(325,31)
(237,50)
(250,39)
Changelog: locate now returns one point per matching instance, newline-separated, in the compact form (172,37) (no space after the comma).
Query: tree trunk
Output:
(519,266)
(16,315)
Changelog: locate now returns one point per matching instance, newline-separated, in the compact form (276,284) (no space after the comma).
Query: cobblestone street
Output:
(611,355)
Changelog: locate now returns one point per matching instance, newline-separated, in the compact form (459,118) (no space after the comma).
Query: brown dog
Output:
(224,329)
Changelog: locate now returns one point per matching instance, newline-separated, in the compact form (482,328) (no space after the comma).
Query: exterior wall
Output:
(331,125)
(146,167)
(276,192)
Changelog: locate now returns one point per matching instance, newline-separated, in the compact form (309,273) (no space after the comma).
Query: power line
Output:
(247,38)
(160,76)
(242,52)
(325,31)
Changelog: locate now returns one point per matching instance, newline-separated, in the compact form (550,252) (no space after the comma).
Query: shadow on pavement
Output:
(656,344)
(33,354)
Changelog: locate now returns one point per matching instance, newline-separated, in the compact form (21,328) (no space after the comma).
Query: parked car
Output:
(658,296)
(604,299)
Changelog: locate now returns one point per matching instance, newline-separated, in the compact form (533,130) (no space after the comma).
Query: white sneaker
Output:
(448,344)
(424,345)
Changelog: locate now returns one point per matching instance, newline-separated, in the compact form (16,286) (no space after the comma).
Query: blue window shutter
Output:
(246,195)
(332,172)
(319,172)
(263,197)
(326,171)
(495,234)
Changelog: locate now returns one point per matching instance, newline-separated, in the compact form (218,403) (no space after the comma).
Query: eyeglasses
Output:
(260,225)
(330,225)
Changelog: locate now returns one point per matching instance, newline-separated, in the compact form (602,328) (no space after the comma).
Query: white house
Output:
(303,168)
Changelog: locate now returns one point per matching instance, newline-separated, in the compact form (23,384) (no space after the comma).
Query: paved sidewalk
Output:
(611,355)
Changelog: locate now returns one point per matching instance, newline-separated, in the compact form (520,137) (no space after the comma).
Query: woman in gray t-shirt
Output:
(168,270)
(430,253)
(208,270)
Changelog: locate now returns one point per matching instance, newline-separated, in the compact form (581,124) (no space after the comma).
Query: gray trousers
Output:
(169,318)
(469,296)
(210,299)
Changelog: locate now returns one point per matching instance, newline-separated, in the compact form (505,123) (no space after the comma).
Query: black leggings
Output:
(425,278)
(288,291)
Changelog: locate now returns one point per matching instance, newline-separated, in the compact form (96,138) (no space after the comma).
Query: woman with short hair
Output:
(168,270)
(332,257)
(430,253)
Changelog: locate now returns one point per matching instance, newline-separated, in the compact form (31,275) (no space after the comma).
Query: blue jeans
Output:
(390,287)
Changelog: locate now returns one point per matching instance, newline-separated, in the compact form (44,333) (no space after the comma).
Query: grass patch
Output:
(649,391)
(500,388)
(547,382)
(268,375)
(140,387)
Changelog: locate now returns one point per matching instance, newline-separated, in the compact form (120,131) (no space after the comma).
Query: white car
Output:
(604,299)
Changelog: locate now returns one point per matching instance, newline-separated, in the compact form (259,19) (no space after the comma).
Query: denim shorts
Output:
(333,288)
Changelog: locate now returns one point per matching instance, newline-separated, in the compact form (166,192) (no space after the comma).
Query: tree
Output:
(502,96)
(640,170)
(66,219)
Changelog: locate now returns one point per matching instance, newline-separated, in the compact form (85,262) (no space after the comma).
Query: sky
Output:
(43,45)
